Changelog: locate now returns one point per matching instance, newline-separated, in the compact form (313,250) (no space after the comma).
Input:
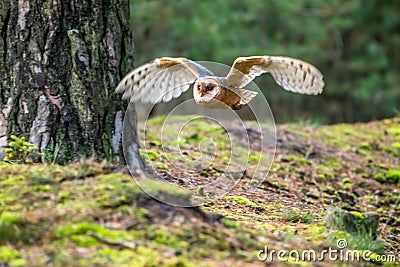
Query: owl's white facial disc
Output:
(205,89)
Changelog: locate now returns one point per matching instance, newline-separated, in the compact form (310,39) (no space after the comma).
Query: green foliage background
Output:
(355,43)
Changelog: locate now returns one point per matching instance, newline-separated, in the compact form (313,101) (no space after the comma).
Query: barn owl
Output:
(165,78)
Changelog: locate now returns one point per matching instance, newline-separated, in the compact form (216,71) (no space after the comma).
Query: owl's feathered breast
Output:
(229,96)
(221,97)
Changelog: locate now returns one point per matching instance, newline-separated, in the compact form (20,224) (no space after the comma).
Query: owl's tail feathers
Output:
(247,96)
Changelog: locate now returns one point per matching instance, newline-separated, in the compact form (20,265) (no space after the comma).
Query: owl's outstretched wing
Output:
(292,74)
(160,80)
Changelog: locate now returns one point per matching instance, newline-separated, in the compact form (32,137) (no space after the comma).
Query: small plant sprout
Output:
(19,151)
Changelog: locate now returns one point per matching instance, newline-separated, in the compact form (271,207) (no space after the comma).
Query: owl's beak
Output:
(201,90)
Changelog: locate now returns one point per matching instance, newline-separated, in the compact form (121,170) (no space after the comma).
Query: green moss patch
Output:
(88,214)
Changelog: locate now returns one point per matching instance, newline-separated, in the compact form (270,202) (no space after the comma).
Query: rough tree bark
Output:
(59,64)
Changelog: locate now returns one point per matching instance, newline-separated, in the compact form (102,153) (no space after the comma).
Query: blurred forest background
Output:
(355,44)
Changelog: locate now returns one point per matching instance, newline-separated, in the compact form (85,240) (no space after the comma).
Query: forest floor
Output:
(325,189)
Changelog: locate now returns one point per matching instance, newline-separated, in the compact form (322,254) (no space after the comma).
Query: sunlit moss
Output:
(242,200)
(393,175)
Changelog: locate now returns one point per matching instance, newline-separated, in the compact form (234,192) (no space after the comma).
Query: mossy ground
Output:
(93,214)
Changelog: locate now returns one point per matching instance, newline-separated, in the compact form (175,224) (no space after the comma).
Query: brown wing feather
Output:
(292,74)
(159,80)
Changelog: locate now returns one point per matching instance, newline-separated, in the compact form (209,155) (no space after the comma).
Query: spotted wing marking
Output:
(159,80)
(292,74)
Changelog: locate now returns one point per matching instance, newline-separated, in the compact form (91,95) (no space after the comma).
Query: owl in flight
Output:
(165,78)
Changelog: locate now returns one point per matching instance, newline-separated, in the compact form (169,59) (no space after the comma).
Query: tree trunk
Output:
(59,64)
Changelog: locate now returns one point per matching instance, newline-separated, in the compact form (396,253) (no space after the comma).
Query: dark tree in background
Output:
(59,64)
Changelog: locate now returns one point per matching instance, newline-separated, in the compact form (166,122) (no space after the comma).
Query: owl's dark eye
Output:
(198,87)
(209,88)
